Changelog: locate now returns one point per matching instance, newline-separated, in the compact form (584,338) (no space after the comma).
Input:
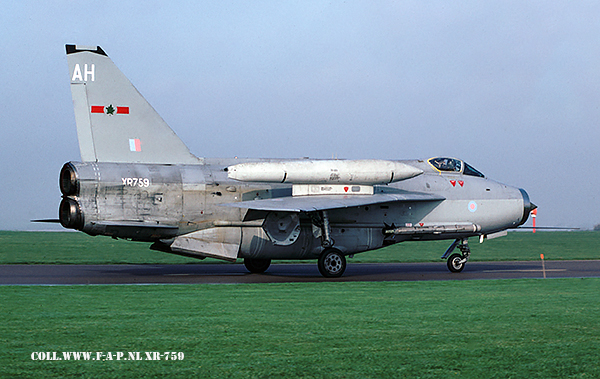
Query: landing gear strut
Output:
(332,263)
(322,221)
(456,262)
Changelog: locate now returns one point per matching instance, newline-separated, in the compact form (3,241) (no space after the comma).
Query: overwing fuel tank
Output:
(366,171)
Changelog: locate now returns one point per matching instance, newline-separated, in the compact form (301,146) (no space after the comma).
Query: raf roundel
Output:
(472,206)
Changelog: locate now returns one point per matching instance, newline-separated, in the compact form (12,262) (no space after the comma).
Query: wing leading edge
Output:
(326,202)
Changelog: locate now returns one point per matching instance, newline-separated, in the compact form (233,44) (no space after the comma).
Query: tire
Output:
(453,263)
(332,263)
(257,266)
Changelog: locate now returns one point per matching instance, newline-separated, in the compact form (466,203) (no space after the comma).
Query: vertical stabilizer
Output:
(114,121)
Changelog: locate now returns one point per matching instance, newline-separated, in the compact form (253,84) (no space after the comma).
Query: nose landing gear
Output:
(456,262)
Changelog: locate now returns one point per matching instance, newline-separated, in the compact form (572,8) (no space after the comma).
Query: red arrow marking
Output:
(453,182)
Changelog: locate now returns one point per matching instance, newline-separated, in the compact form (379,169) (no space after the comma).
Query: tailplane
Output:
(114,121)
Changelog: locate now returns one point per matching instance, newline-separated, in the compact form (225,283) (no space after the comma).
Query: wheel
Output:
(454,263)
(332,263)
(257,266)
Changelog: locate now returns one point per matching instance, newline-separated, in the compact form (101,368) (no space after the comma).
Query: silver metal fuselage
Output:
(162,202)
(139,181)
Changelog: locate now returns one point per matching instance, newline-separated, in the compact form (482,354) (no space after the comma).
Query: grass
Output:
(466,329)
(78,248)
(516,246)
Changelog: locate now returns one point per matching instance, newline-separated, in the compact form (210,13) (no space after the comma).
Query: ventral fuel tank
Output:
(367,171)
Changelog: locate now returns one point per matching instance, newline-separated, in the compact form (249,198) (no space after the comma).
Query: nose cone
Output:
(528,206)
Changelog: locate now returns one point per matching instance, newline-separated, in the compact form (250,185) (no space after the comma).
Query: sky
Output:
(511,87)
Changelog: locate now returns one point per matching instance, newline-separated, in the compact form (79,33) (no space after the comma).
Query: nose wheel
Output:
(456,262)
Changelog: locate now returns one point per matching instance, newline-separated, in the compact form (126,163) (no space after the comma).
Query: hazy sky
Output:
(511,87)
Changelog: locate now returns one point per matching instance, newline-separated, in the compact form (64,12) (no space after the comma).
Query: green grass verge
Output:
(466,329)
(78,248)
(516,246)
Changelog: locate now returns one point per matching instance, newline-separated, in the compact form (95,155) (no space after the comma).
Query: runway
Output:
(285,273)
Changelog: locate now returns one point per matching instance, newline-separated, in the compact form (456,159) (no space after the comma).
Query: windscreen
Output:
(446,164)
(454,165)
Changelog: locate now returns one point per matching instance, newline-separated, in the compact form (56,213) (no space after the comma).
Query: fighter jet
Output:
(138,181)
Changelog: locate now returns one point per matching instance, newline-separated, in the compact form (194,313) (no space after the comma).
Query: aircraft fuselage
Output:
(162,202)
(138,181)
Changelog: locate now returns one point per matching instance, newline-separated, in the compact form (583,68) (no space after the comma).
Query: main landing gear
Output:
(257,266)
(332,263)
(456,262)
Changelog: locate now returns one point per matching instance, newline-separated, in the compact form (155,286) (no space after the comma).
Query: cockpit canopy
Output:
(454,165)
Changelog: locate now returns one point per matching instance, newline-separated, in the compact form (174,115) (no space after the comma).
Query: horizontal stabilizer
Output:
(325,202)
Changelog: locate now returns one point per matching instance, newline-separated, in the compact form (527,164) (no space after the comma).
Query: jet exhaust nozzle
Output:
(69,180)
(69,214)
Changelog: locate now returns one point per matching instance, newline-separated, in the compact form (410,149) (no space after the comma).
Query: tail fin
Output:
(114,121)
